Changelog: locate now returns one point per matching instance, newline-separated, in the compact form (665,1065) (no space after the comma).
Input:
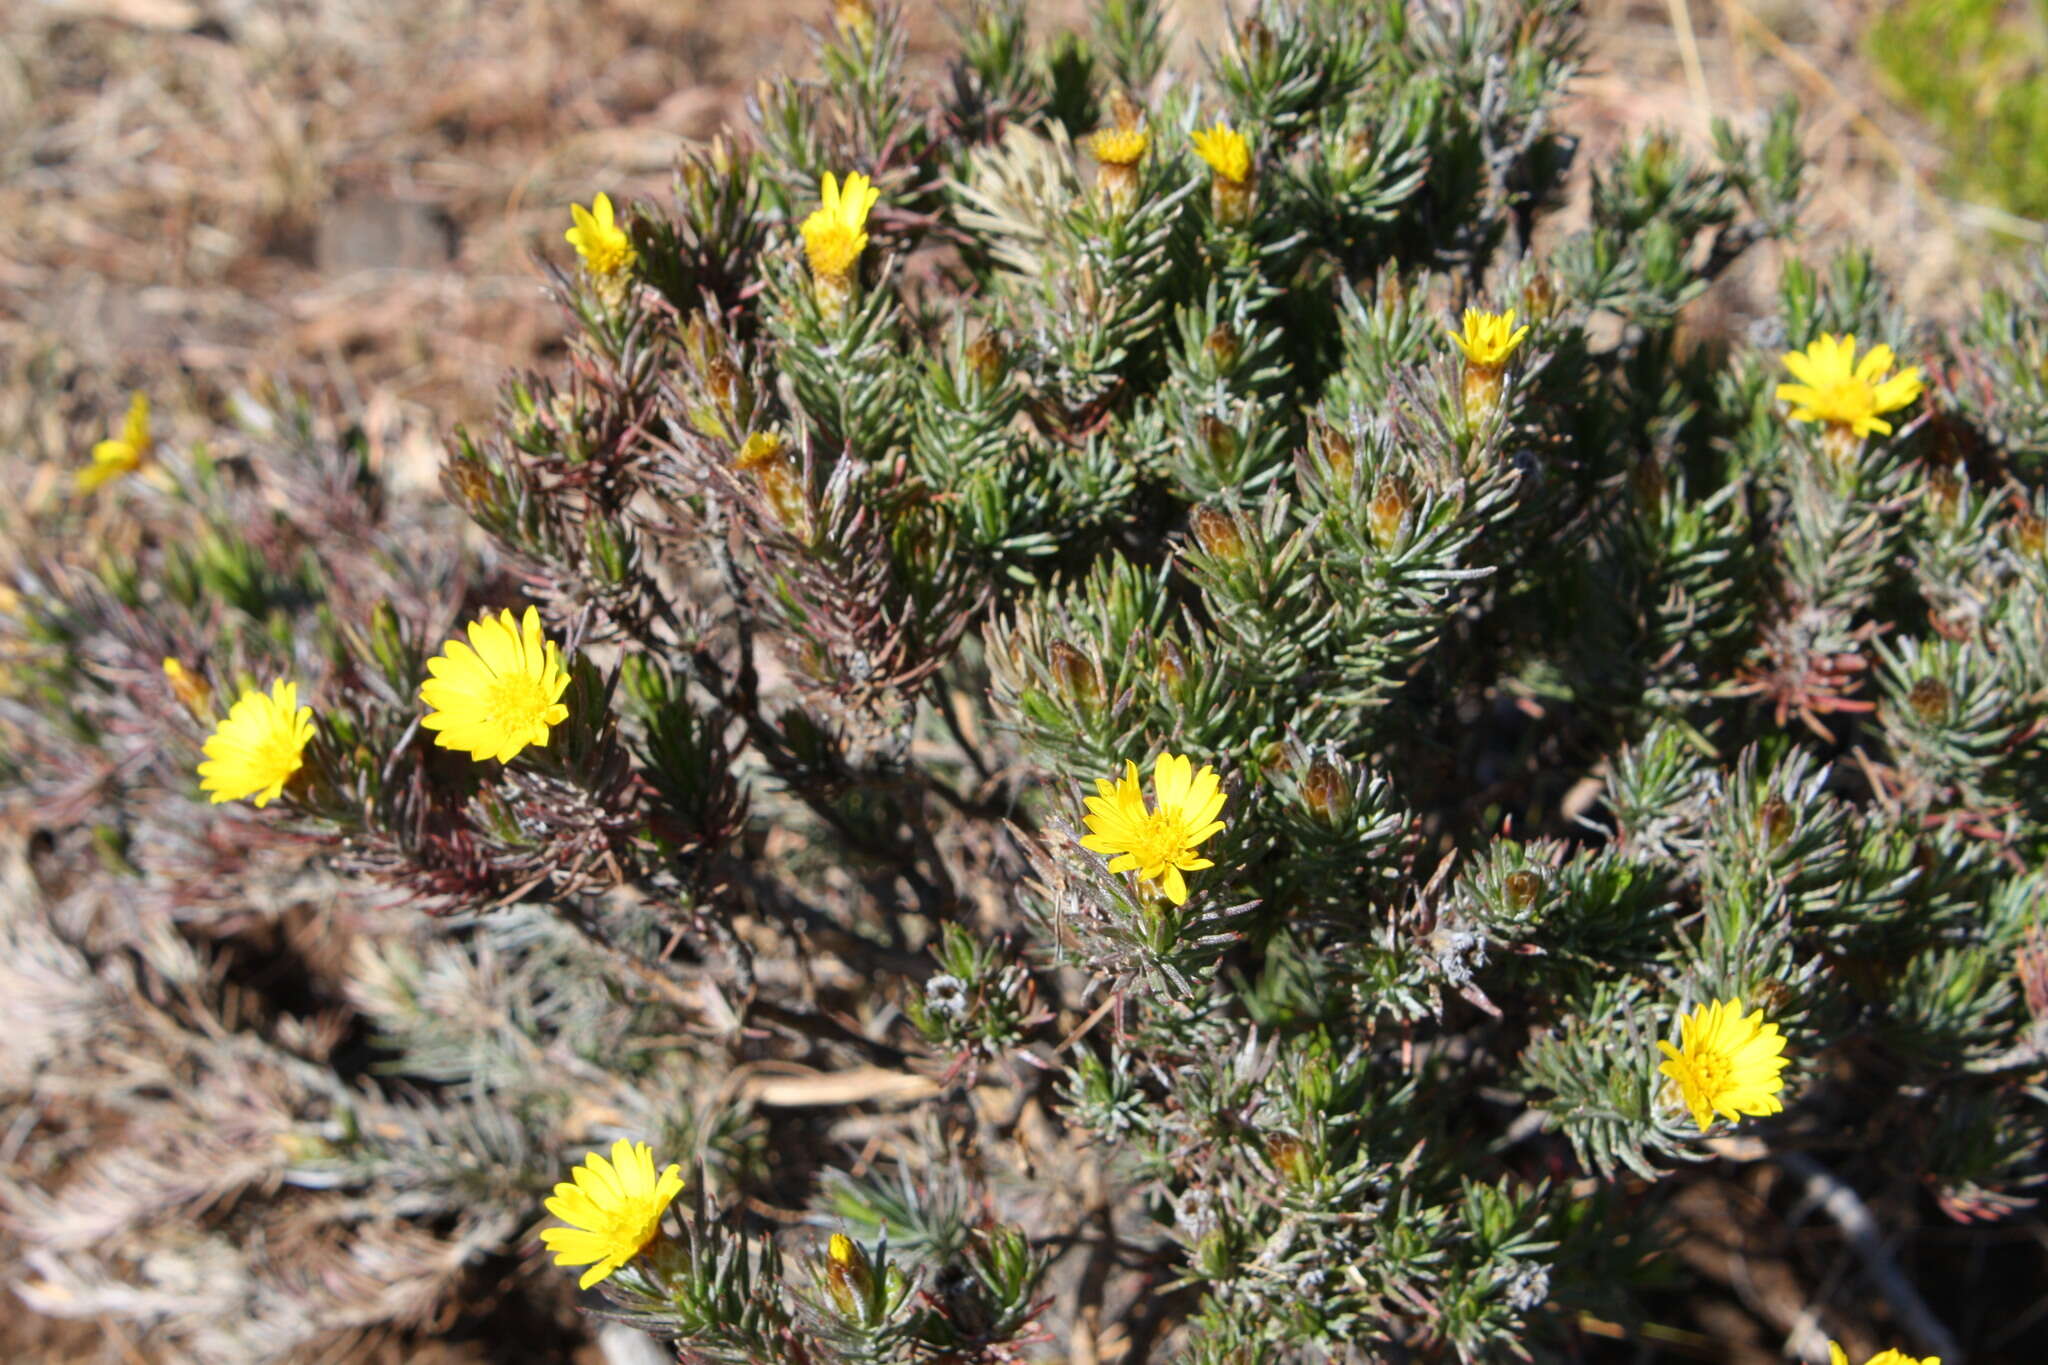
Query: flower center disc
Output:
(518,704)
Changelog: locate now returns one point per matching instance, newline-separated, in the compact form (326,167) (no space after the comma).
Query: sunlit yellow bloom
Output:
(1158,844)
(1119,146)
(255,751)
(598,239)
(613,1210)
(1725,1063)
(836,232)
(1488,339)
(1834,388)
(1837,1356)
(855,20)
(760,449)
(189,689)
(500,692)
(122,454)
(1226,151)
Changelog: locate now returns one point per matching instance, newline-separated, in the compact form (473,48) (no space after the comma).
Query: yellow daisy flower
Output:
(1834,388)
(500,692)
(836,232)
(1488,339)
(613,1210)
(255,751)
(1119,146)
(1157,844)
(598,239)
(124,453)
(1725,1063)
(1226,151)
(1837,1356)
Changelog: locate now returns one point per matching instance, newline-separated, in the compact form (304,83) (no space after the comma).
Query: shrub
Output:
(1138,698)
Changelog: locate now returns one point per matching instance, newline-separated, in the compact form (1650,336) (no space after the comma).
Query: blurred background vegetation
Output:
(1977,72)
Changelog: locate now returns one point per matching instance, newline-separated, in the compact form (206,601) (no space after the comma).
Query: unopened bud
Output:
(847,1273)
(1337,451)
(1289,1156)
(1358,149)
(1273,759)
(1930,700)
(1325,791)
(1255,40)
(1539,297)
(191,690)
(1221,439)
(855,20)
(1524,888)
(1944,492)
(1173,668)
(988,360)
(1074,673)
(2029,534)
(722,382)
(470,483)
(1223,348)
(1774,820)
(1387,514)
(1219,535)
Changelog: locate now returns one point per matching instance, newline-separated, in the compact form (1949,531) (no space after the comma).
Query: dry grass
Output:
(348,192)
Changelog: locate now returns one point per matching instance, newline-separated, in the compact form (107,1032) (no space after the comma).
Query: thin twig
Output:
(1859,1226)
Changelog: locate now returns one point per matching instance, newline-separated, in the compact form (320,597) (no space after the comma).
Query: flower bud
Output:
(1358,150)
(1524,888)
(2029,534)
(1173,667)
(1337,451)
(1944,492)
(1218,533)
(191,690)
(1539,297)
(1289,1156)
(1387,514)
(1930,700)
(1774,820)
(1223,348)
(847,1274)
(1254,40)
(1221,440)
(855,20)
(1077,677)
(1325,791)
(987,358)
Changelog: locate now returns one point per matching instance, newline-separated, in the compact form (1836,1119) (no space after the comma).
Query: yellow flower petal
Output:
(1838,390)
(257,748)
(498,693)
(613,1209)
